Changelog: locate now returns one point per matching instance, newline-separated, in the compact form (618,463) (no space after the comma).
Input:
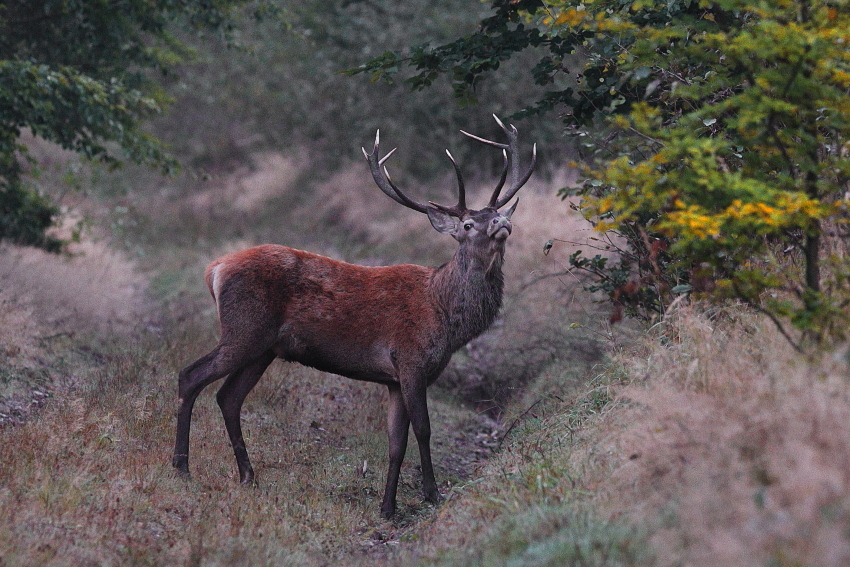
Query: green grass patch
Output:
(553,536)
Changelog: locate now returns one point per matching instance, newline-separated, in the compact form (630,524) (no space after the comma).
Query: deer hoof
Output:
(181,463)
(247,478)
(387,514)
(433,498)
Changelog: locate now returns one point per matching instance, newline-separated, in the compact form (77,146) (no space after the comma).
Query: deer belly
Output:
(352,359)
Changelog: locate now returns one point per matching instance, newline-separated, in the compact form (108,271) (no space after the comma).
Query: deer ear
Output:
(441,221)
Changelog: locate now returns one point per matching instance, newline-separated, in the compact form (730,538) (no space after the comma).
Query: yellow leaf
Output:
(571,17)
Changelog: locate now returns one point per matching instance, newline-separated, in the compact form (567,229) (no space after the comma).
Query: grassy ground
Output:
(706,441)
(88,478)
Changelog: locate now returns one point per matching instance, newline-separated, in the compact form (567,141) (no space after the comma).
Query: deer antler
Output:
(385,183)
(510,149)
(459,209)
(383,180)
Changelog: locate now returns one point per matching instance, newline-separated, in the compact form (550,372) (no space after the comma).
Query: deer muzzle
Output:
(500,228)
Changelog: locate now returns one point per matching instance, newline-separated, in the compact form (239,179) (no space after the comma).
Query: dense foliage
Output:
(740,159)
(724,161)
(79,73)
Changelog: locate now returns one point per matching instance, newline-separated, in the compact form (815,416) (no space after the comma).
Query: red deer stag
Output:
(394,325)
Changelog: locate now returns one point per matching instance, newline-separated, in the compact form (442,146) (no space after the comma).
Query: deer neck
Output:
(468,291)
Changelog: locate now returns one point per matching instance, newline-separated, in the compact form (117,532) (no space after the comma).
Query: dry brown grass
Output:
(88,481)
(271,174)
(55,311)
(93,288)
(734,444)
(710,442)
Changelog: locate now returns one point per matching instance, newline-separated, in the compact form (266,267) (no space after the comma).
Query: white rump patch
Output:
(217,281)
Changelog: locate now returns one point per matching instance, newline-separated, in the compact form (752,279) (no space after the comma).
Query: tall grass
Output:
(734,444)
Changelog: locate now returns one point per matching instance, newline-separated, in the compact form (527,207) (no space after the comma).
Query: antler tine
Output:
(512,133)
(512,150)
(386,157)
(382,179)
(461,189)
(404,199)
(518,183)
(502,180)
(459,209)
(485,140)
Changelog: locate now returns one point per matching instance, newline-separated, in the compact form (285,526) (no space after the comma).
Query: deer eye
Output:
(467,226)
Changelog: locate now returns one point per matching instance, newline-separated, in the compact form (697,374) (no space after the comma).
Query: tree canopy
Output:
(717,134)
(82,74)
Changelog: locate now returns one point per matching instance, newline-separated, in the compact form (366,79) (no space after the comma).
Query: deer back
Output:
(357,321)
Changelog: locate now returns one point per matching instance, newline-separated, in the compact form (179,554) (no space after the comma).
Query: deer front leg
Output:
(417,409)
(397,426)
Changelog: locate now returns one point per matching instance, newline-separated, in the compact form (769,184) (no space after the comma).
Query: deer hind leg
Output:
(417,409)
(397,426)
(218,363)
(230,397)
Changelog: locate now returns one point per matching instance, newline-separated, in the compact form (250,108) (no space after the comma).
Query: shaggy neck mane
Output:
(468,291)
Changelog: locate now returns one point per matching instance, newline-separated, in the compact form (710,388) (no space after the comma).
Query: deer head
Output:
(465,225)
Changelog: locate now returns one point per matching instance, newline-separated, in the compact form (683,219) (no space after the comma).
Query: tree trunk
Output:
(812,253)
(813,234)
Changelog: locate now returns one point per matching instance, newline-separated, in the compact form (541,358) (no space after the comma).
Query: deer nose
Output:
(500,227)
